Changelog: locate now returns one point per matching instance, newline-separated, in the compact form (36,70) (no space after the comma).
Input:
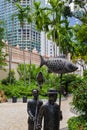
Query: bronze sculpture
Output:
(40,79)
(58,65)
(33,107)
(51,112)
(61,66)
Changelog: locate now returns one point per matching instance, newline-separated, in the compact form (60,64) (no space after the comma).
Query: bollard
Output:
(14,99)
(24,99)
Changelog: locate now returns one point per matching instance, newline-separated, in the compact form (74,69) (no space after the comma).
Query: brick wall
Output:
(15,57)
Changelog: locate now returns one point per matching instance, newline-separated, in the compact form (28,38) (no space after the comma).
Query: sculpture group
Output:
(50,111)
(37,110)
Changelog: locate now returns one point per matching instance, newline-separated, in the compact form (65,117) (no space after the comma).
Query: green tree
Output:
(2,45)
(22,15)
(80,30)
(80,40)
(54,21)
(80,12)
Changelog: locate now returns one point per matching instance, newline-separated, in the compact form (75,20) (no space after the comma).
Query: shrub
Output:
(79,103)
(85,73)
(77,123)
(80,98)
(19,89)
(10,79)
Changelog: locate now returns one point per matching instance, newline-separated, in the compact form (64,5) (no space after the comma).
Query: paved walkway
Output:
(13,116)
(65,128)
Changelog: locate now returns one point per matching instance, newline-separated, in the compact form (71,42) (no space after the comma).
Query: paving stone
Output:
(13,116)
(65,128)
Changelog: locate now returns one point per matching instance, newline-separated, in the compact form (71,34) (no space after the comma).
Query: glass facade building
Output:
(28,38)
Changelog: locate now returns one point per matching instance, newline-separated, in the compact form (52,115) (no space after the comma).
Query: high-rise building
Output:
(48,47)
(28,38)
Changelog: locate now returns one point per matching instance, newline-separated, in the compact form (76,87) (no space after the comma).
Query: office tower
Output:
(48,47)
(30,38)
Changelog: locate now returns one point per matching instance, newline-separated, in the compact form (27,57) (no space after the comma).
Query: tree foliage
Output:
(22,14)
(80,95)
(53,19)
(2,45)
(79,30)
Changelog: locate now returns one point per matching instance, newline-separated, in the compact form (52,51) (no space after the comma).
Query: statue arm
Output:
(40,116)
(29,111)
(61,116)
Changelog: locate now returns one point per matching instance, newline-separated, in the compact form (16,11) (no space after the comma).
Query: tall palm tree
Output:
(22,15)
(2,45)
(39,17)
(54,17)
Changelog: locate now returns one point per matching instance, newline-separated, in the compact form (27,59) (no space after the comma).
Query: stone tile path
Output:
(13,116)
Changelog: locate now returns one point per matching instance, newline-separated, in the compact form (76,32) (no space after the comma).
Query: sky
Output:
(74,21)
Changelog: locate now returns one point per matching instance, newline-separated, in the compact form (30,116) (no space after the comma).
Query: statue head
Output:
(35,93)
(52,94)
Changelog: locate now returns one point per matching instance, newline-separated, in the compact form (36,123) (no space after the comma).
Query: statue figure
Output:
(33,107)
(51,112)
